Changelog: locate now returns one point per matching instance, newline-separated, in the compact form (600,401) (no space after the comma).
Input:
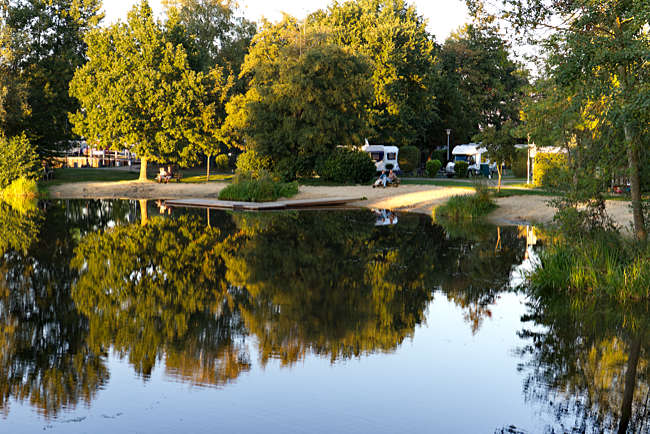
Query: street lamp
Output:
(448,132)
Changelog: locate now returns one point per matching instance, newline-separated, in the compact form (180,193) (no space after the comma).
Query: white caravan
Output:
(385,157)
(471,153)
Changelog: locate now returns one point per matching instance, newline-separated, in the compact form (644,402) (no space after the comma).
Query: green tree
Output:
(306,96)
(394,37)
(46,41)
(477,61)
(601,47)
(211,32)
(137,91)
(17,159)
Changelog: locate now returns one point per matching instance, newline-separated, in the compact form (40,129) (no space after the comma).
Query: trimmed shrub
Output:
(347,166)
(460,169)
(17,160)
(408,158)
(221,162)
(253,164)
(550,170)
(433,167)
(258,189)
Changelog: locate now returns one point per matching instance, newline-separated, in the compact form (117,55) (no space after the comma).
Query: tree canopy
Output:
(306,96)
(137,91)
(42,46)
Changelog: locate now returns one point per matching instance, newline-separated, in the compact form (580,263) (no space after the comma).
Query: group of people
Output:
(385,179)
(165,174)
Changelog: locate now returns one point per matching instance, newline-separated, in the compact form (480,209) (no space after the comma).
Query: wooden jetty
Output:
(261,206)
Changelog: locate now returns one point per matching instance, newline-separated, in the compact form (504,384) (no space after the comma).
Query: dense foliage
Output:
(347,166)
(460,169)
(394,37)
(251,163)
(433,167)
(18,159)
(550,170)
(154,104)
(42,46)
(306,96)
(409,159)
(262,188)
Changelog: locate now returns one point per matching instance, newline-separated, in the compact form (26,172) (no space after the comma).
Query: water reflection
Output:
(203,293)
(587,363)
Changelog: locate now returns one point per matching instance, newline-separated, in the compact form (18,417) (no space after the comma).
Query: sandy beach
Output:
(413,198)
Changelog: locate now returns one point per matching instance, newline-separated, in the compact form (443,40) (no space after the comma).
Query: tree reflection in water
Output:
(88,278)
(587,363)
(44,355)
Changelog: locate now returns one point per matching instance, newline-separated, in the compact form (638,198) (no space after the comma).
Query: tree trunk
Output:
(143,169)
(144,215)
(499,172)
(635,184)
(207,175)
(630,385)
(632,148)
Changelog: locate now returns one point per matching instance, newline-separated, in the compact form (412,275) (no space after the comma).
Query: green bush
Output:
(433,167)
(460,169)
(519,163)
(252,164)
(221,162)
(408,158)
(291,168)
(347,166)
(550,170)
(17,160)
(258,189)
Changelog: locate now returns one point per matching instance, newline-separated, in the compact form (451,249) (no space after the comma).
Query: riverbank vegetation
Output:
(262,188)
(466,207)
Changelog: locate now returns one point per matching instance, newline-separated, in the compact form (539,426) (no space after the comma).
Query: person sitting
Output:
(164,175)
(381,180)
(393,179)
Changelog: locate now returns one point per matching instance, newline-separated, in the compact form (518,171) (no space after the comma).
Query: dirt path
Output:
(413,198)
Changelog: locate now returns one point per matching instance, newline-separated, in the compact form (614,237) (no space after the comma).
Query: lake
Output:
(123,316)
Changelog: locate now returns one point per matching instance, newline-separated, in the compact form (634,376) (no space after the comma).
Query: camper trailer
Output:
(385,157)
(471,153)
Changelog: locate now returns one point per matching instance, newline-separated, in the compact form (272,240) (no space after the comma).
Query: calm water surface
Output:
(117,318)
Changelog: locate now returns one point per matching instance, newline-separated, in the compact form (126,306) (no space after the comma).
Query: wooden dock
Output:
(261,206)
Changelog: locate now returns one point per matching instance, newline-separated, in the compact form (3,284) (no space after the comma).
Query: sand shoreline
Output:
(514,210)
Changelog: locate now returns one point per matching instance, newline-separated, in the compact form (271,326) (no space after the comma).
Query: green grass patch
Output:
(469,206)
(508,192)
(67,175)
(262,189)
(215,177)
(606,265)
(441,182)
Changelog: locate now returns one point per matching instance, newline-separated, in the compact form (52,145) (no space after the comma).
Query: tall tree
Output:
(211,32)
(477,63)
(46,41)
(394,37)
(306,96)
(603,46)
(137,90)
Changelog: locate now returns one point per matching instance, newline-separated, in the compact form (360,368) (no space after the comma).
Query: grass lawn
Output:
(86,174)
(67,175)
